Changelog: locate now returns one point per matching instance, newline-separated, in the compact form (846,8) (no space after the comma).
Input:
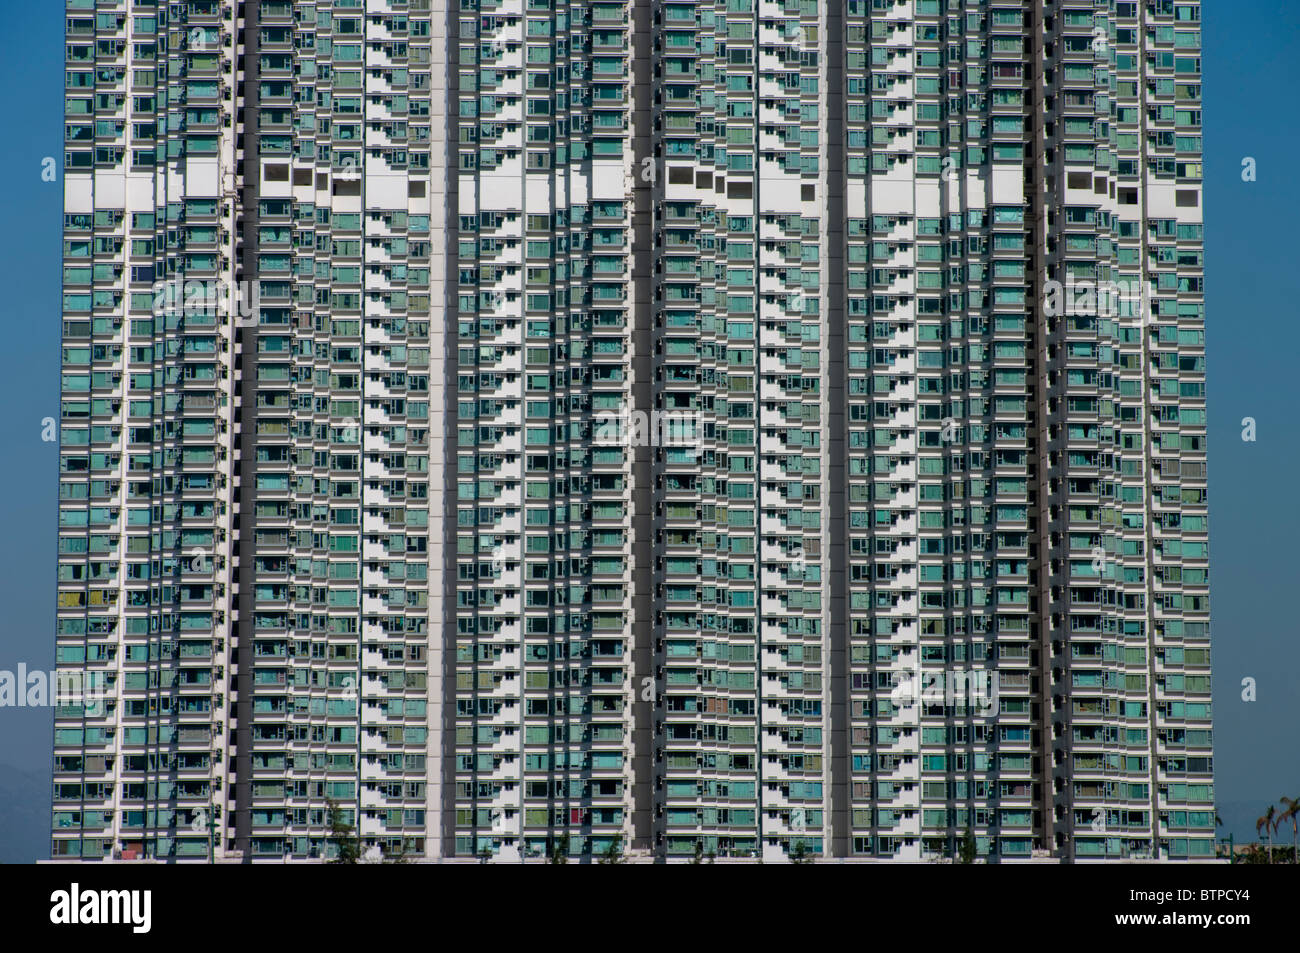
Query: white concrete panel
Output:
(539,199)
(855,197)
(927,198)
(267,188)
(607,180)
(579,189)
(779,194)
(500,192)
(892,198)
(140,190)
(201,178)
(467,194)
(1162,202)
(681,192)
(346,203)
(1160,199)
(78,193)
(951,189)
(110,190)
(1008,185)
(387,191)
(1084,196)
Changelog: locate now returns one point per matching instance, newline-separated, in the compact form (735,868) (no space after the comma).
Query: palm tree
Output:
(1292,809)
(1265,823)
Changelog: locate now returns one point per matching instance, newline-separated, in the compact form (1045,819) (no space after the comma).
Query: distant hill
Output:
(24,816)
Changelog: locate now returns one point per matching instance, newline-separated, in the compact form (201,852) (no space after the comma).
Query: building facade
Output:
(754,429)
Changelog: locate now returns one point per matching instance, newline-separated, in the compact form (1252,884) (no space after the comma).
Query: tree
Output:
(342,836)
(560,852)
(1265,824)
(1252,854)
(967,851)
(800,854)
(614,852)
(1292,809)
(398,856)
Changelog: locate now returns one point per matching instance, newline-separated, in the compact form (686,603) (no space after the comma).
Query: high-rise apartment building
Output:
(898,540)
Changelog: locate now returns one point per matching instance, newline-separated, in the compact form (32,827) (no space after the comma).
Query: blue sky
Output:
(1251,47)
